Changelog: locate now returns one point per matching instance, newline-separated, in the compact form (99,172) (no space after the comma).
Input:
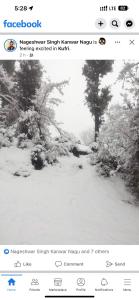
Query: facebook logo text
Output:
(22,24)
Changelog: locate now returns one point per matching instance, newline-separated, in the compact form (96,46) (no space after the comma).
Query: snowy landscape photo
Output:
(69,152)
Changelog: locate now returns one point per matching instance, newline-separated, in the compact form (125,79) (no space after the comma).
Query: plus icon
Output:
(100,23)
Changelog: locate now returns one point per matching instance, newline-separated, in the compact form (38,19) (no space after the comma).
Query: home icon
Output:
(11,282)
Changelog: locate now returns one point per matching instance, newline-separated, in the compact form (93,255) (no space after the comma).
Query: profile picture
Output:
(10,45)
(102,41)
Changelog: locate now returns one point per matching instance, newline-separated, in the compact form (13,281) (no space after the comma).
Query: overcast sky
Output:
(73,112)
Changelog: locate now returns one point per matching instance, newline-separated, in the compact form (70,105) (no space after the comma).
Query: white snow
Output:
(63,204)
(83,148)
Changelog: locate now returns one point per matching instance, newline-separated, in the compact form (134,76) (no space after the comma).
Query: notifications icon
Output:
(104,282)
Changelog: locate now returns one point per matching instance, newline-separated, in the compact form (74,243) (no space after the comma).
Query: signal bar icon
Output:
(104,8)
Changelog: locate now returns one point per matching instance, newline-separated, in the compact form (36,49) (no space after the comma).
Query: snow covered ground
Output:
(63,204)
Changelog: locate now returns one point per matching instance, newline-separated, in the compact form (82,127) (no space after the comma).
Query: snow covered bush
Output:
(119,145)
(94,146)
(51,157)
(7,136)
(27,124)
(61,149)
(79,149)
(38,157)
(24,142)
(4,141)
(64,143)
(114,138)
(132,164)
(130,78)
(94,159)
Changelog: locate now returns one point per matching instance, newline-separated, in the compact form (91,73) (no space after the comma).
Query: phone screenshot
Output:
(69,149)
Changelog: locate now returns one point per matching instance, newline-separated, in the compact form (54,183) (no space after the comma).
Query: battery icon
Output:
(123,7)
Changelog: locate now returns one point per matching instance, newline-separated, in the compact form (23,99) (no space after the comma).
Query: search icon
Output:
(115,23)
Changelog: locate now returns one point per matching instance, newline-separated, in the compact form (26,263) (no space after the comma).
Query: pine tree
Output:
(8,102)
(8,66)
(28,81)
(97,99)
